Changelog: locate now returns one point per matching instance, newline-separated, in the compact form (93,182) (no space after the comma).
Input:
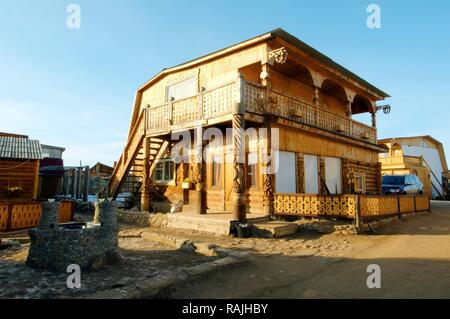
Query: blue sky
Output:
(75,87)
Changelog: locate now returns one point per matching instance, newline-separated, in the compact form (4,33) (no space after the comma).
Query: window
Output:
(164,171)
(182,89)
(216,180)
(252,170)
(360,183)
(333,174)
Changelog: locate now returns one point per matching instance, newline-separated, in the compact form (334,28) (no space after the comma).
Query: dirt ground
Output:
(414,256)
(143,260)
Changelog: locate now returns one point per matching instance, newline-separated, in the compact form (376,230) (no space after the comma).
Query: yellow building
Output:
(419,155)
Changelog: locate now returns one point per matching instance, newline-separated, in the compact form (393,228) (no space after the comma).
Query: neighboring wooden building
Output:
(420,155)
(51,172)
(19,167)
(272,81)
(100,175)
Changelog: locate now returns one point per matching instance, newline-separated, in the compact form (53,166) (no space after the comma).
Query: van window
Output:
(393,180)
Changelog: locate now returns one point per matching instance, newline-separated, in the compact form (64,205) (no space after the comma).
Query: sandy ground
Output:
(414,256)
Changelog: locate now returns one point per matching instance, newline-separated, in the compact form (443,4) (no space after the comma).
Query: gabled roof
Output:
(440,146)
(20,148)
(265,37)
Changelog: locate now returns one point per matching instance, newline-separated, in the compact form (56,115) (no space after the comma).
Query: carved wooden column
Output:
(348,109)
(374,119)
(300,174)
(322,175)
(145,194)
(238,122)
(268,198)
(200,172)
(316,97)
(379,178)
(316,101)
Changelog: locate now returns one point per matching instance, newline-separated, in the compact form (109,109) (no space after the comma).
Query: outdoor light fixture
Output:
(386,108)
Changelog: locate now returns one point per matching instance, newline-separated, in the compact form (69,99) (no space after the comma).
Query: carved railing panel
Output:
(407,204)
(185,110)
(219,101)
(315,205)
(374,206)
(422,203)
(159,117)
(348,206)
(364,132)
(261,100)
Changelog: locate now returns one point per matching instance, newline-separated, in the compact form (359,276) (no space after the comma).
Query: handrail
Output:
(348,121)
(439,183)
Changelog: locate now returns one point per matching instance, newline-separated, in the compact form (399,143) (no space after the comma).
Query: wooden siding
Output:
(19,173)
(22,215)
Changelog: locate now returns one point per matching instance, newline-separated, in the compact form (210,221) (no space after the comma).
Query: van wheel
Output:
(420,192)
(404,193)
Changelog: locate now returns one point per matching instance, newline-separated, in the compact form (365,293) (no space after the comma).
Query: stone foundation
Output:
(54,248)
(141,218)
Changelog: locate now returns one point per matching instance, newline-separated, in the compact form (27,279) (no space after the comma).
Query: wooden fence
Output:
(364,207)
(15,216)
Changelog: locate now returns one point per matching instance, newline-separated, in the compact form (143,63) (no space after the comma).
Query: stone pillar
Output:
(268,198)
(145,193)
(200,171)
(50,216)
(97,212)
(374,119)
(108,214)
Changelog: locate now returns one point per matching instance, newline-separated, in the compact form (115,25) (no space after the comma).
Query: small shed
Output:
(19,167)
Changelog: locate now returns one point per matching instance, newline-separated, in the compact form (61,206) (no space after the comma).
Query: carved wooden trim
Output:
(238,144)
(322,187)
(278,56)
(300,173)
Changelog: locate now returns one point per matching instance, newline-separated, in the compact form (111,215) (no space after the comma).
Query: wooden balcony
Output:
(401,160)
(219,104)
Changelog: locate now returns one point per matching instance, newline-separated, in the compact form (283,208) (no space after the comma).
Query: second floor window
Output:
(182,89)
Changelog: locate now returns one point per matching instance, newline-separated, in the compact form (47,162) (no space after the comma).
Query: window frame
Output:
(193,78)
(165,162)
(361,190)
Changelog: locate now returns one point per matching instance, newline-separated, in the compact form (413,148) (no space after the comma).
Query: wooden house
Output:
(419,155)
(19,167)
(305,102)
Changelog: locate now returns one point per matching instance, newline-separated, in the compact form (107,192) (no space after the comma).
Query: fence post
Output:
(398,208)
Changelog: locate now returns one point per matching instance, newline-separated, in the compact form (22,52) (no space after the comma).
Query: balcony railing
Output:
(257,99)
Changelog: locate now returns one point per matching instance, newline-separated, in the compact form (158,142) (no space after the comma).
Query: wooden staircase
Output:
(129,170)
